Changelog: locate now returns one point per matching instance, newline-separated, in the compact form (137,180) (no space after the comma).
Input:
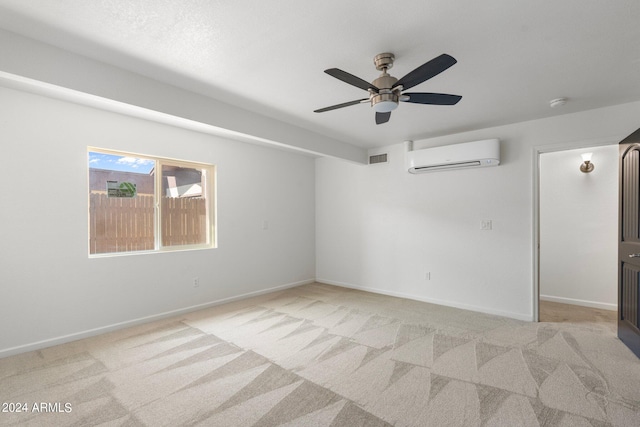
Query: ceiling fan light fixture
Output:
(385,106)
(384,102)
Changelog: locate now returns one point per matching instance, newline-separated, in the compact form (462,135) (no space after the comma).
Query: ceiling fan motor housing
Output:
(386,99)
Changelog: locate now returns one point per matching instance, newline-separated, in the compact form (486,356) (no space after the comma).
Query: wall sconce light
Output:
(586,166)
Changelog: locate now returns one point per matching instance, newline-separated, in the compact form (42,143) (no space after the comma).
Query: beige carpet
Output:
(319,355)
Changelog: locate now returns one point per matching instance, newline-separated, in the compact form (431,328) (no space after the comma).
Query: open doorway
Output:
(578,226)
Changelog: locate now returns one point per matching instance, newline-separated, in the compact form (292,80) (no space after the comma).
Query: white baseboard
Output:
(108,328)
(583,303)
(512,315)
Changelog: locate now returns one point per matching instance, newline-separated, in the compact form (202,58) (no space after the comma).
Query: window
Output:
(142,203)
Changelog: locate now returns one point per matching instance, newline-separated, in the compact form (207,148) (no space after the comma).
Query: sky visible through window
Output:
(120,163)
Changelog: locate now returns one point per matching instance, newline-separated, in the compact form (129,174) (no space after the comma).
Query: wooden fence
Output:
(127,224)
(184,221)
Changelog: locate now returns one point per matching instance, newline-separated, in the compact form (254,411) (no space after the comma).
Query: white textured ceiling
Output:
(514,56)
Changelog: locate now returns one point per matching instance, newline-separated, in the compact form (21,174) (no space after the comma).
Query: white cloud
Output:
(134,162)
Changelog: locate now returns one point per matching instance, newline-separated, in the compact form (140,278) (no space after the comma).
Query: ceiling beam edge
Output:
(35,67)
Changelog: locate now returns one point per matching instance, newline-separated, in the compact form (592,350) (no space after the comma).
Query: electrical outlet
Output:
(427,275)
(196,282)
(485,224)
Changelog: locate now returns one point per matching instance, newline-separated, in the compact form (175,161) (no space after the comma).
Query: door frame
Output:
(535,250)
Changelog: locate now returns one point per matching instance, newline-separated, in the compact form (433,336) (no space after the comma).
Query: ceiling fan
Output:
(386,91)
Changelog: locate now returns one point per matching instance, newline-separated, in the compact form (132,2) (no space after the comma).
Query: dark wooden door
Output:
(629,243)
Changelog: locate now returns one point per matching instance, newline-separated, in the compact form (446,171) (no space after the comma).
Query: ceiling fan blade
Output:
(344,104)
(351,79)
(426,71)
(431,98)
(382,117)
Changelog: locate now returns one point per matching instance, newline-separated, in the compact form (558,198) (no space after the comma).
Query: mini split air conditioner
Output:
(474,154)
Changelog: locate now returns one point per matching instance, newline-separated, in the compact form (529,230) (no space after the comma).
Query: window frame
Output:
(209,191)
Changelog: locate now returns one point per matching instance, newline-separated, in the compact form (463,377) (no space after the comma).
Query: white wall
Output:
(579,228)
(51,291)
(379,228)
